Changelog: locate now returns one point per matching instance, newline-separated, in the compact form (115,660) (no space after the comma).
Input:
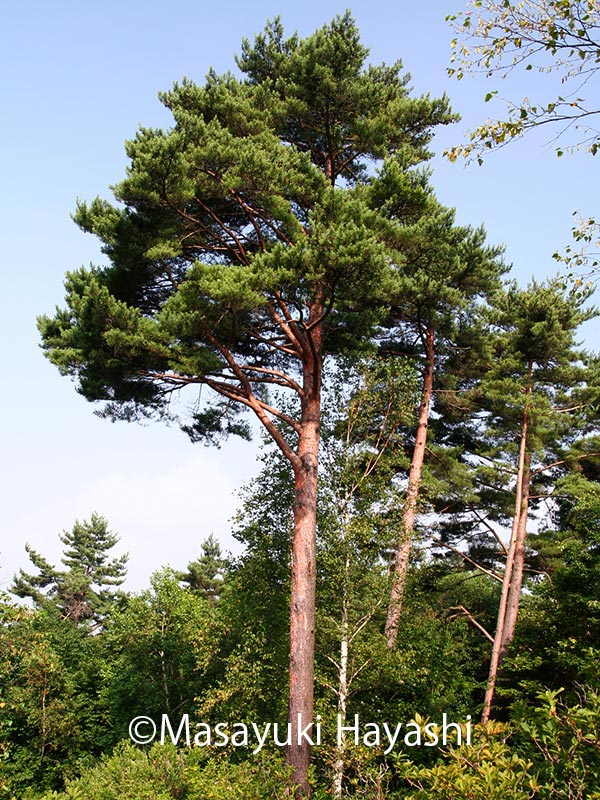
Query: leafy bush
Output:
(165,772)
(131,774)
(550,752)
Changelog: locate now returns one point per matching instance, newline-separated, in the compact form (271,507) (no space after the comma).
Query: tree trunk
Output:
(412,495)
(339,764)
(303,585)
(516,580)
(497,649)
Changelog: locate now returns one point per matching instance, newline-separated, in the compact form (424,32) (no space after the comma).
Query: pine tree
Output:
(83,592)
(206,574)
(448,271)
(536,399)
(557,640)
(248,246)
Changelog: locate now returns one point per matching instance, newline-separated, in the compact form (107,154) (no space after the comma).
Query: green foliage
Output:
(160,652)
(322,86)
(52,720)
(432,668)
(82,592)
(566,739)
(535,372)
(550,751)
(546,36)
(260,203)
(368,404)
(487,770)
(448,269)
(253,611)
(165,773)
(207,574)
(263,778)
(535,348)
(558,638)
(131,774)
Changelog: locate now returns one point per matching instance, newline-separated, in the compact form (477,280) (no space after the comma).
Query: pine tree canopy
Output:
(83,590)
(268,212)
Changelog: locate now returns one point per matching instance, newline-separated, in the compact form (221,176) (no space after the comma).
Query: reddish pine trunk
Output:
(516,581)
(518,530)
(302,601)
(412,496)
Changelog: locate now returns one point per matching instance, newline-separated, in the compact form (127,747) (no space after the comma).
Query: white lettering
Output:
(318,730)
(416,732)
(261,741)
(240,736)
(288,740)
(446,726)
(391,737)
(303,732)
(341,729)
(202,738)
(166,724)
(372,738)
(220,731)
(431,733)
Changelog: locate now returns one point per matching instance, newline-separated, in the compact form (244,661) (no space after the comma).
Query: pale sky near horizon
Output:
(77,80)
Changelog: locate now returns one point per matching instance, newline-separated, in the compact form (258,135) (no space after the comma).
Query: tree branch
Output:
(468,559)
(471,619)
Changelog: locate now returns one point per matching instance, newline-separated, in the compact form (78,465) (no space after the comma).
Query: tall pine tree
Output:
(249,245)
(449,270)
(536,399)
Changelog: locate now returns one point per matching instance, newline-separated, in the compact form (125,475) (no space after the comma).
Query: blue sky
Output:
(77,80)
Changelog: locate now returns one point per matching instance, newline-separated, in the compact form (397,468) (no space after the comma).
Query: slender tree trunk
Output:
(339,764)
(497,649)
(516,581)
(303,585)
(412,495)
(44,721)
(163,668)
